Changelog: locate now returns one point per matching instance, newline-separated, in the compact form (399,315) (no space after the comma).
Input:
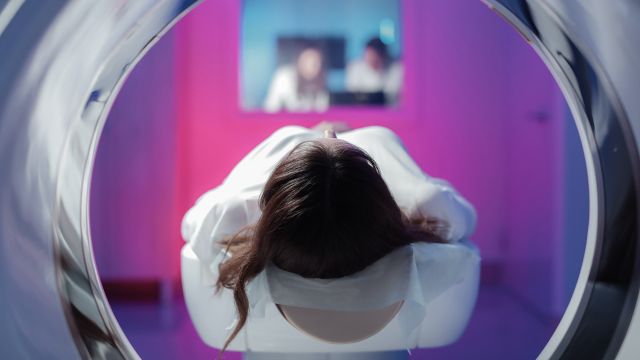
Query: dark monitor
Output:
(376,98)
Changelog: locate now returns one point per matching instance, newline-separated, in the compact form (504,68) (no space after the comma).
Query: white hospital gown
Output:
(225,209)
(416,273)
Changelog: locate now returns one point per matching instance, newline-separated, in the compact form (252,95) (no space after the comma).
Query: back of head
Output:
(326,213)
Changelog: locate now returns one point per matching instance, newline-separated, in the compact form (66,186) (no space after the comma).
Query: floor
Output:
(501,328)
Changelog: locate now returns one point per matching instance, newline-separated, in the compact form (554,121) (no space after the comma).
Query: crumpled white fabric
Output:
(416,273)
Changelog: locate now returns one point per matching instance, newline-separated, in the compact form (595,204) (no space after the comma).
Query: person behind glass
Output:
(375,72)
(299,87)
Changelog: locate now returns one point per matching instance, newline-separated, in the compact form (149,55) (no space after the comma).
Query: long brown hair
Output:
(326,213)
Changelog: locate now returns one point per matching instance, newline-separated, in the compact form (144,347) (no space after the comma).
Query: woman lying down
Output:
(321,206)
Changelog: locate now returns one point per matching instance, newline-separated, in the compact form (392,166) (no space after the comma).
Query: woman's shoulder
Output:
(218,201)
(279,142)
(288,131)
(372,134)
(376,130)
(222,207)
(285,138)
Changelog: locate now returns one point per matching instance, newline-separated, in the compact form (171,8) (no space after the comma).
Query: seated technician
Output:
(375,72)
(300,87)
(320,207)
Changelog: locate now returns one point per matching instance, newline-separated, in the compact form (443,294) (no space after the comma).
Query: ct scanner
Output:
(62,63)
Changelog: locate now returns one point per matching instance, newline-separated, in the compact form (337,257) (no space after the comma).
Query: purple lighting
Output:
(479,109)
